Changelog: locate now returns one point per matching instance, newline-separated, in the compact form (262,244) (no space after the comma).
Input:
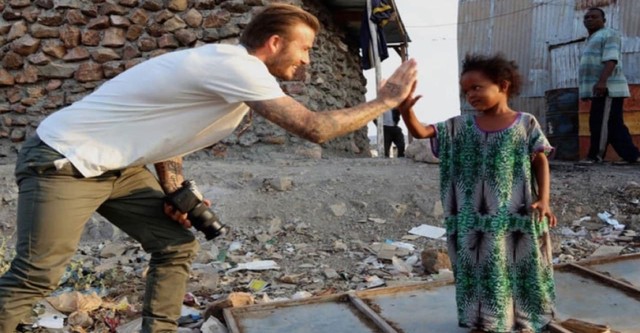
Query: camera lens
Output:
(204,220)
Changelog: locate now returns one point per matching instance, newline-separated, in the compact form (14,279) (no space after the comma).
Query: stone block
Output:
(114,37)
(6,79)
(134,32)
(89,71)
(43,31)
(51,19)
(12,60)
(103,54)
(168,41)
(178,5)
(76,54)
(109,8)
(433,260)
(54,48)
(147,44)
(56,70)
(174,24)
(153,5)
(26,45)
(193,18)
(139,16)
(119,21)
(17,30)
(75,17)
(98,23)
(28,75)
(70,36)
(90,38)
(186,37)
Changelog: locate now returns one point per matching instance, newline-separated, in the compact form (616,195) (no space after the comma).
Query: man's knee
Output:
(184,252)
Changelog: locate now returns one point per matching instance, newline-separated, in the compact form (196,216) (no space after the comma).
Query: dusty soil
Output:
(319,216)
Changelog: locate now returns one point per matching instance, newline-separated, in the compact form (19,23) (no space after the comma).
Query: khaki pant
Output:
(53,207)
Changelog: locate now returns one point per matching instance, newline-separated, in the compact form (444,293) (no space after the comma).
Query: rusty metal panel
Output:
(545,37)
(565,60)
(629,18)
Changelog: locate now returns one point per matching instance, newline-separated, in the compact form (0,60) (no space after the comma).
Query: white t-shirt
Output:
(165,107)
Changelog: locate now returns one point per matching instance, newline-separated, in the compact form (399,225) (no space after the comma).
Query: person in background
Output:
(602,81)
(392,132)
(494,186)
(91,156)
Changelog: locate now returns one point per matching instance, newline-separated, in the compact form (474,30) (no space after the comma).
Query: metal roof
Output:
(349,13)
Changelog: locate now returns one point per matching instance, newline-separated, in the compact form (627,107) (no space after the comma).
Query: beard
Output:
(281,64)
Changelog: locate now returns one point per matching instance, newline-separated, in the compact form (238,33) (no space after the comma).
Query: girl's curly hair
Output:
(497,68)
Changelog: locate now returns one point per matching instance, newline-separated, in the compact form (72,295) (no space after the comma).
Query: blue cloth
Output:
(381,12)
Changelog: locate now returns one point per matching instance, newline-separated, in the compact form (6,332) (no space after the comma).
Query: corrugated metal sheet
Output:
(545,38)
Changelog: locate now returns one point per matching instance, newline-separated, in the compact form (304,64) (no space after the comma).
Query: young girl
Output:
(491,166)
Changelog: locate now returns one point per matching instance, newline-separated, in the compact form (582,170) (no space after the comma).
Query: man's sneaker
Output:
(589,161)
(625,162)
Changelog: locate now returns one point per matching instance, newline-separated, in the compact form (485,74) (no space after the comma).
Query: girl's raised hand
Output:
(410,101)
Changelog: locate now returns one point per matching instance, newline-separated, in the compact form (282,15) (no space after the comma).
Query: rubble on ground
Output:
(278,257)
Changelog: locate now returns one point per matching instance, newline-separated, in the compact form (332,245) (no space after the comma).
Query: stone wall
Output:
(54,52)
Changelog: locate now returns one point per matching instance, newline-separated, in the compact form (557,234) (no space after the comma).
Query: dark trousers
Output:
(617,132)
(393,134)
(53,206)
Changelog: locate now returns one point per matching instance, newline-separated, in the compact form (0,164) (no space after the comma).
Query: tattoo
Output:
(170,174)
(392,88)
(317,127)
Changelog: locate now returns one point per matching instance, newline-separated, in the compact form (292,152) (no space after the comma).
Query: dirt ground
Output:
(318,218)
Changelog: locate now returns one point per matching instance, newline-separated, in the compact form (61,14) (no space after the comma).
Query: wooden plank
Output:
(230,320)
(367,311)
(620,285)
(580,326)
(404,288)
(557,328)
(598,261)
(342,297)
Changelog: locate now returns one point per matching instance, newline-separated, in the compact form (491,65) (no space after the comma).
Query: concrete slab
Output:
(418,311)
(586,299)
(308,317)
(626,270)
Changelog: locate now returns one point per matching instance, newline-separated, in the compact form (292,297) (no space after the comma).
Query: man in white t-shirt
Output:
(91,156)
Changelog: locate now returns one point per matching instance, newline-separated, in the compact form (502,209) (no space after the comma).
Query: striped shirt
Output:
(603,45)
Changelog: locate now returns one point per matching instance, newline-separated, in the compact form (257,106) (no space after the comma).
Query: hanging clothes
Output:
(381,13)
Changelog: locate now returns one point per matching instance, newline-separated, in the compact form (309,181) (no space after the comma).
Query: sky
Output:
(431,26)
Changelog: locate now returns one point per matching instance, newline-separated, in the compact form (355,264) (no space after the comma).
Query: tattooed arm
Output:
(322,126)
(170,174)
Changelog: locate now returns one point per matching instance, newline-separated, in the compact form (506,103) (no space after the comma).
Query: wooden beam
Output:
(367,311)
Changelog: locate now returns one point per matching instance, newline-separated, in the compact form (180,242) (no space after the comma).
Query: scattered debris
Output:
(428,231)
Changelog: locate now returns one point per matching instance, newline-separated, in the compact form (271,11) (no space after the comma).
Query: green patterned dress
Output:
(500,256)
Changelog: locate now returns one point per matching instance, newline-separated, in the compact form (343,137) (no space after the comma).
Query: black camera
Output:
(188,199)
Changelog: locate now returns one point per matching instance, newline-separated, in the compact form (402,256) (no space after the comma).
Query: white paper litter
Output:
(259,265)
(428,231)
(404,245)
(606,217)
(50,320)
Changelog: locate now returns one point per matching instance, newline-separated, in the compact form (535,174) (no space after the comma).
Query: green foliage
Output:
(79,278)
